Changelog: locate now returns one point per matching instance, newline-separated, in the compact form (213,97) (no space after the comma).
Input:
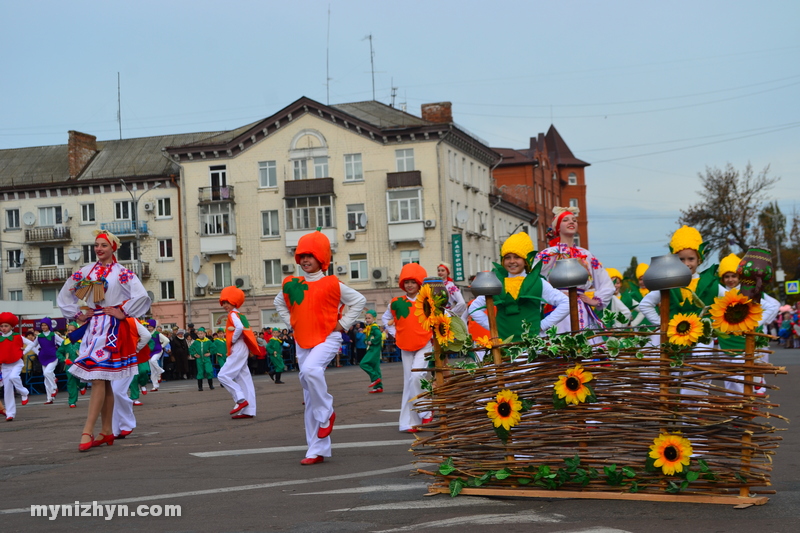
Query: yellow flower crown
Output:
(728,264)
(519,244)
(687,238)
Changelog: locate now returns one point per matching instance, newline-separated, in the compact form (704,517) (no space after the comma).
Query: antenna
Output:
(371,62)
(119,108)
(327,60)
(394,92)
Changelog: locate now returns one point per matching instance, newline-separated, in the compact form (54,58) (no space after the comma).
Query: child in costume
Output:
(524,292)
(371,362)
(240,343)
(123,421)
(275,352)
(311,305)
(220,349)
(138,385)
(728,277)
(12,346)
(67,353)
(563,230)
(159,345)
(632,297)
(455,300)
(200,350)
(48,342)
(414,342)
(616,304)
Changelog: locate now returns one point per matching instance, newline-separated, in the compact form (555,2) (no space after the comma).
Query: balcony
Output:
(313,187)
(47,276)
(48,235)
(133,266)
(125,227)
(409,178)
(215,194)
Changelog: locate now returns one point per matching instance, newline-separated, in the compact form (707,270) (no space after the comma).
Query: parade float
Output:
(618,414)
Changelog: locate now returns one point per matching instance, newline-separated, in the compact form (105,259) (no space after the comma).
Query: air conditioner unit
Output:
(350,236)
(149,206)
(243,282)
(341,269)
(199,291)
(380,274)
(287,269)
(430,223)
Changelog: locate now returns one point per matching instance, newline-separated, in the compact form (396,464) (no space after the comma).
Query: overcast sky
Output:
(649,93)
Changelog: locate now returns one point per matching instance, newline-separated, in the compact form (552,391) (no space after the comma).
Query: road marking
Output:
(523,517)
(597,529)
(406,468)
(281,449)
(389,410)
(372,488)
(428,503)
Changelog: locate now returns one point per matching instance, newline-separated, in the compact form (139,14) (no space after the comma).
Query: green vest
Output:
(707,290)
(527,306)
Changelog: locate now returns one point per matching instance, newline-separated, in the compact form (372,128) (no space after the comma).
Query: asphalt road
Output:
(245,475)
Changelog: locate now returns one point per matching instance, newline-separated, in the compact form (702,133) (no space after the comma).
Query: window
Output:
(222,275)
(352,167)
(12,219)
(577,240)
(354,212)
(572,179)
(165,249)
(451,165)
(168,290)
(272,272)
(409,256)
(320,167)
(127,251)
(49,295)
(123,210)
(15,295)
(464,170)
(404,206)
(51,256)
(87,213)
(267,174)
(269,224)
(405,159)
(163,208)
(50,216)
(309,212)
(573,202)
(216,219)
(218,175)
(14,258)
(358,266)
(88,253)
(300,167)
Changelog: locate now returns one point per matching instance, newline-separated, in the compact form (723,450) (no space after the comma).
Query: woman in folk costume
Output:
(616,302)
(563,229)
(371,362)
(310,304)
(12,346)
(455,300)
(103,295)
(48,342)
(240,342)
(524,293)
(414,342)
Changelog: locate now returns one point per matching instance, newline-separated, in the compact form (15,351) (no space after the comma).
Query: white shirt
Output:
(351,298)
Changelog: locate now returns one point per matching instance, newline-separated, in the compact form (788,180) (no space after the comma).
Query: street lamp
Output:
(136,199)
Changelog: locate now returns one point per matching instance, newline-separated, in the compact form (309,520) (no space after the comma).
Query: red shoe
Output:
(9,419)
(159,380)
(154,390)
(137,402)
(375,382)
(2,412)
(239,406)
(312,460)
(412,430)
(427,420)
(324,432)
(83,446)
(237,417)
(55,393)
(124,433)
(107,439)
(83,391)
(144,390)
(72,406)
(25,400)
(374,391)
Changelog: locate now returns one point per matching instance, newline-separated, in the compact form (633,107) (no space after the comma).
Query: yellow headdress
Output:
(687,238)
(728,264)
(520,244)
(614,273)
(641,268)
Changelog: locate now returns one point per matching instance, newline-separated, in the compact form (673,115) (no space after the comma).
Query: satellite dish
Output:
(196,264)
(362,220)
(22,257)
(74,254)
(151,295)
(462,216)
(29,218)
(65,213)
(202,280)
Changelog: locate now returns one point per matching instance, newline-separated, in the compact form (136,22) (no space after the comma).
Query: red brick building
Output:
(544,175)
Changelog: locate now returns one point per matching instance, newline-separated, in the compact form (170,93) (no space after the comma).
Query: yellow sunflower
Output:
(671,452)
(425,307)
(735,313)
(505,411)
(684,330)
(441,328)
(484,341)
(572,386)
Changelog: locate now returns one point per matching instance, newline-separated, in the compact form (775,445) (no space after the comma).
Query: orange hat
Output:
(233,295)
(414,272)
(9,318)
(316,244)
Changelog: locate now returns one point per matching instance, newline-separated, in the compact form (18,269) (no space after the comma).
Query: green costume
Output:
(69,351)
(371,362)
(527,306)
(707,289)
(139,380)
(628,299)
(220,350)
(275,352)
(201,350)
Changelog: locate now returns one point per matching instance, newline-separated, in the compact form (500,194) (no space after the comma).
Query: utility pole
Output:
(136,199)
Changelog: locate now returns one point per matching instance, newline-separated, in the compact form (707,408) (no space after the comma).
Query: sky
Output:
(648,93)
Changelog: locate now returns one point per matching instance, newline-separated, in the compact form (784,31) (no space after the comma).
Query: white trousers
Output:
(155,370)
(49,372)
(412,387)
(12,382)
(235,377)
(319,402)
(122,417)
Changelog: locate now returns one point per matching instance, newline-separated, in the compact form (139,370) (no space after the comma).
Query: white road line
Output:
(371,488)
(389,410)
(281,449)
(524,517)
(597,529)
(428,503)
(240,488)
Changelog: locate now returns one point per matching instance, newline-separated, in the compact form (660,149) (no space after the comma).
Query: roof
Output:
(381,115)
(41,164)
(559,152)
(515,157)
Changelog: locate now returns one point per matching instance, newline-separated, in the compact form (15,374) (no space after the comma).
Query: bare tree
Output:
(728,214)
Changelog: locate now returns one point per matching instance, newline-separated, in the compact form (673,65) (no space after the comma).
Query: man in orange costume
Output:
(241,342)
(311,305)
(413,340)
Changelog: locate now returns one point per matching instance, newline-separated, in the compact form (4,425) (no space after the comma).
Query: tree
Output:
(629,276)
(731,203)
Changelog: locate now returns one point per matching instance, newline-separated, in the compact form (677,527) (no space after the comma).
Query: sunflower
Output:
(484,342)
(505,411)
(735,313)
(684,330)
(671,452)
(572,386)
(441,328)
(425,307)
